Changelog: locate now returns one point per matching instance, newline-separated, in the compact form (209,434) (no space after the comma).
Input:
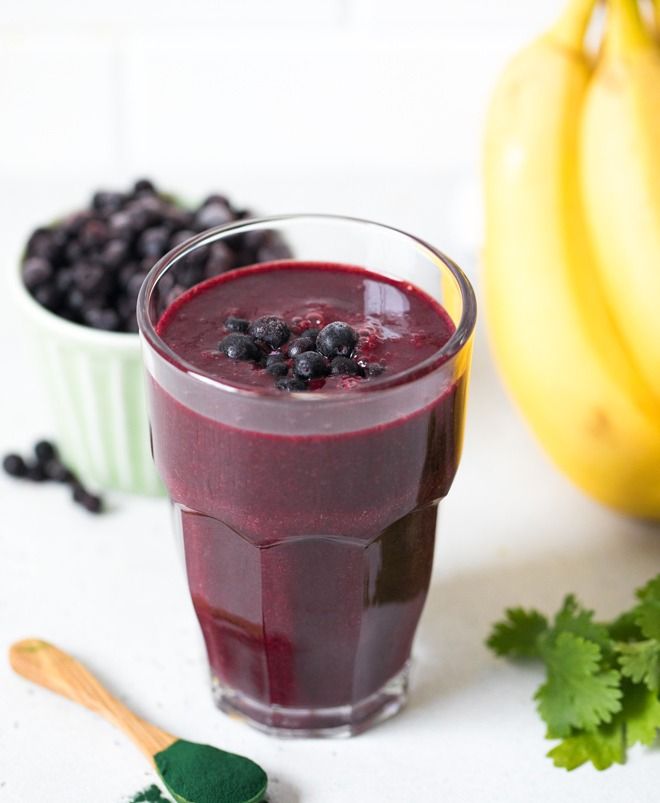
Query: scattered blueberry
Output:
(44,452)
(35,472)
(337,339)
(14,465)
(291,384)
(375,369)
(233,324)
(271,329)
(48,466)
(58,472)
(275,357)
(238,346)
(310,365)
(345,366)
(89,501)
(301,344)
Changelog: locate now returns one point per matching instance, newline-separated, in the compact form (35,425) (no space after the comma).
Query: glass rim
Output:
(454,345)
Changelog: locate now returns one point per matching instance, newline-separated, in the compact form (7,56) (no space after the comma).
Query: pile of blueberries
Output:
(296,364)
(88,268)
(47,465)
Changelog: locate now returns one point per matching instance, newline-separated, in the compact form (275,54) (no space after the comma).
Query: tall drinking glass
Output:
(308,519)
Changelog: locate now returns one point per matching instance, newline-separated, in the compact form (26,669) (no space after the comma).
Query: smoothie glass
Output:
(308,519)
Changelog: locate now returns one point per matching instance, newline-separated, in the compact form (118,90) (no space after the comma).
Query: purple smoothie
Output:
(309,554)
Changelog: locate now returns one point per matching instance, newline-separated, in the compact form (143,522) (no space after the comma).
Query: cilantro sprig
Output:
(601,692)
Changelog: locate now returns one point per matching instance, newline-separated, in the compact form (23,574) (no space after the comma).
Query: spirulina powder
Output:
(199,773)
(150,795)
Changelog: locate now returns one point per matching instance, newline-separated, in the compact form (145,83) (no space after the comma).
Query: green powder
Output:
(150,795)
(198,773)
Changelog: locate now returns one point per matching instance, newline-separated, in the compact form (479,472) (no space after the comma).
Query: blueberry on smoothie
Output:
(345,366)
(301,344)
(310,365)
(233,324)
(291,384)
(337,339)
(237,346)
(271,330)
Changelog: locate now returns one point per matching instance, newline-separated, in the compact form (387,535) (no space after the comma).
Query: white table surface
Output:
(111,590)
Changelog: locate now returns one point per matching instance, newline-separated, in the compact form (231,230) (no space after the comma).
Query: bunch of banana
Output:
(572,249)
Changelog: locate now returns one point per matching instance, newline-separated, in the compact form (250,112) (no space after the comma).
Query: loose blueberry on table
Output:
(47,465)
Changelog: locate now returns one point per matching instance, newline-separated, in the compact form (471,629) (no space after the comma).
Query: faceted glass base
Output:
(342,721)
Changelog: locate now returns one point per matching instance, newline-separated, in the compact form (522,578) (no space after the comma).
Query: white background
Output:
(368,107)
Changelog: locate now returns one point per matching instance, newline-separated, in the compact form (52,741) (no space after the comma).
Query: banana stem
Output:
(571,27)
(626,30)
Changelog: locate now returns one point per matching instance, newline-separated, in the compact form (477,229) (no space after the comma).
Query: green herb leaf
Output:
(603,747)
(573,618)
(647,612)
(624,628)
(577,693)
(517,636)
(640,661)
(641,708)
(602,680)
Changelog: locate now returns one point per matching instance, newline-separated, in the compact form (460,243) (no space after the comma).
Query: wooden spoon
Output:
(203,774)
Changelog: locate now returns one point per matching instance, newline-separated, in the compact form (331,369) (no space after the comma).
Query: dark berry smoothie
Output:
(307,493)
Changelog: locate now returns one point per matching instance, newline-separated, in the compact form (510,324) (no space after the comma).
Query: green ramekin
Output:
(95,386)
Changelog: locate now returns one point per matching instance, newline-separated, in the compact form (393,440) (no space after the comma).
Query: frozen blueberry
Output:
(105,319)
(271,330)
(107,202)
(310,365)
(35,472)
(278,368)
(238,346)
(216,213)
(143,185)
(337,339)
(90,279)
(220,259)
(36,271)
(94,233)
(345,366)
(58,472)
(180,236)
(14,465)
(89,501)
(311,333)
(153,242)
(291,384)
(301,344)
(48,296)
(41,243)
(233,324)
(44,452)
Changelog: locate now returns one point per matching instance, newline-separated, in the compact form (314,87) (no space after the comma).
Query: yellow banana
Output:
(551,331)
(620,178)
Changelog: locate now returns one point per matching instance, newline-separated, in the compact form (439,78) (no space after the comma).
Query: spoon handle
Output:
(48,666)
